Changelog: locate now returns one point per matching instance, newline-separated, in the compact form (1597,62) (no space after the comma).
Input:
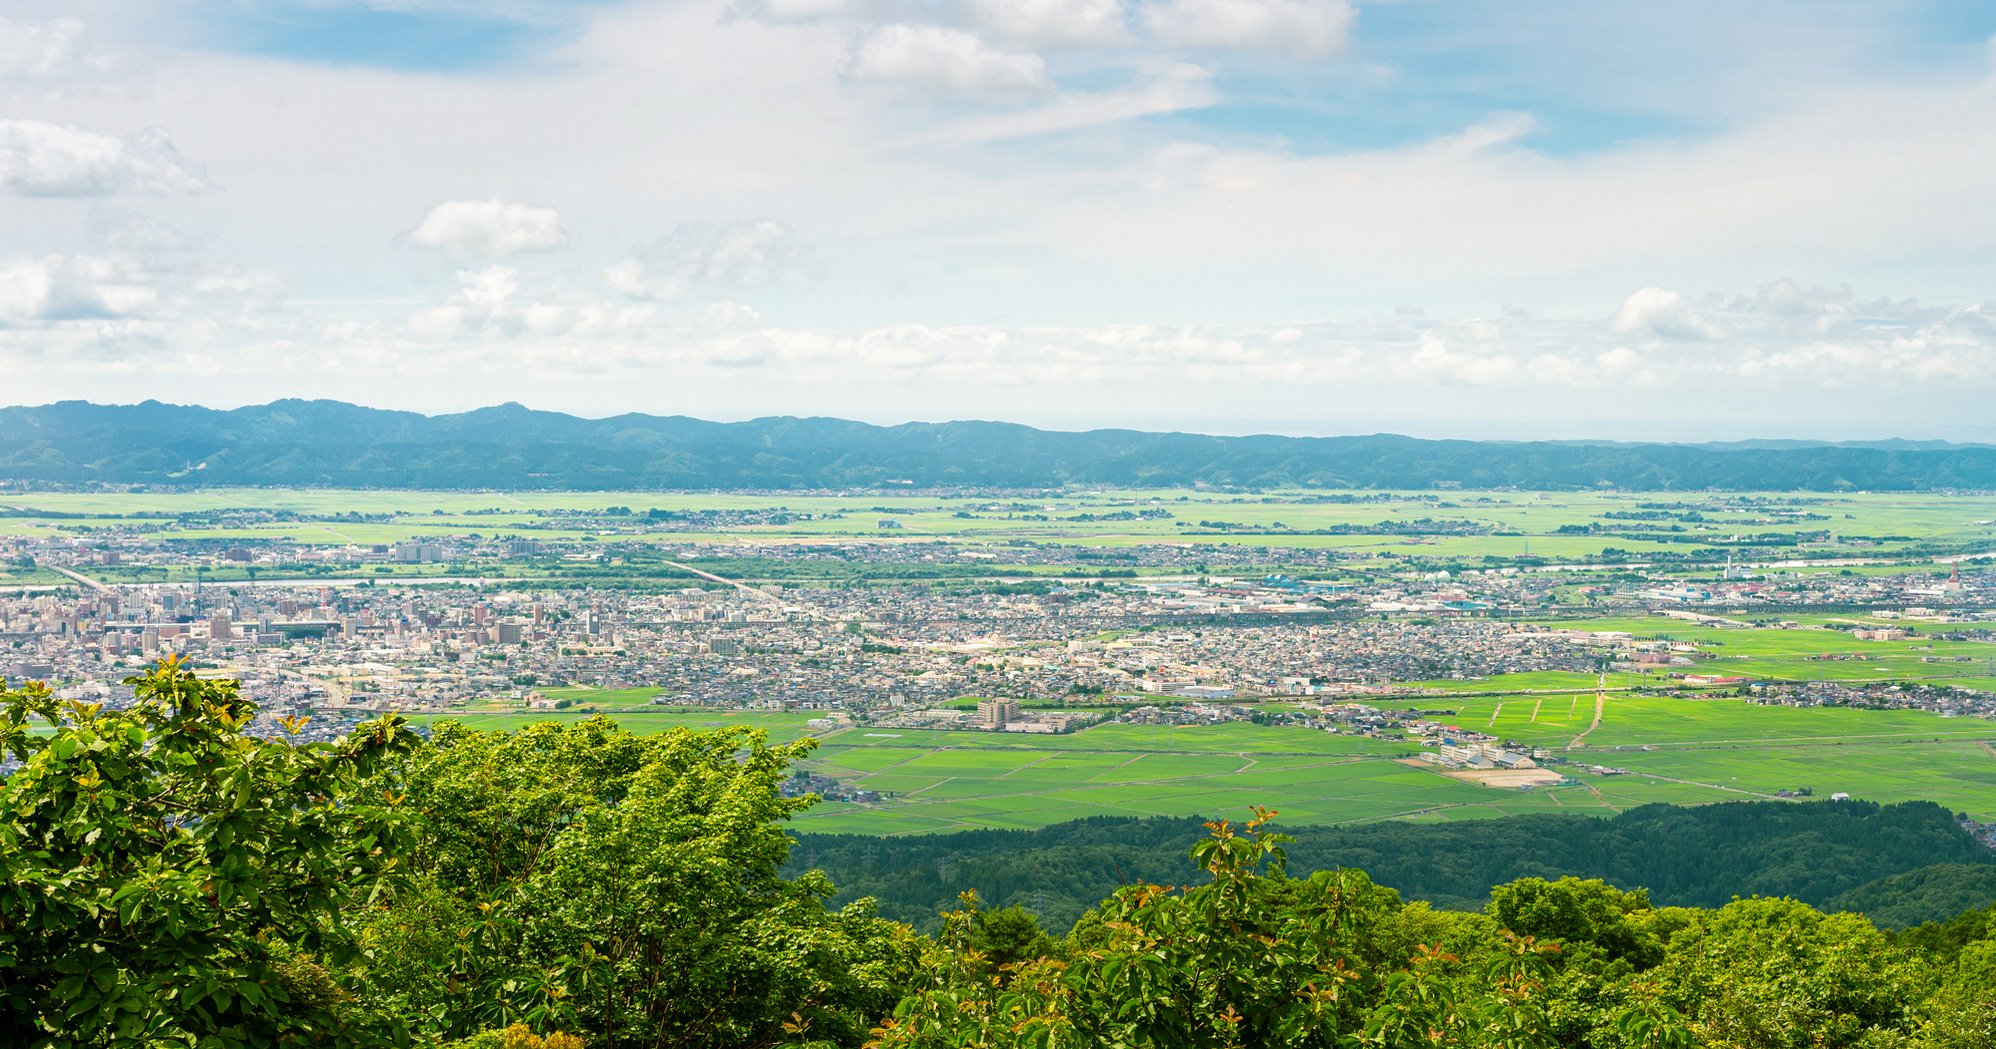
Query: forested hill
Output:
(1854,855)
(330,443)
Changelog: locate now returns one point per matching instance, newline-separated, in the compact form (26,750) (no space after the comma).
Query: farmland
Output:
(1813,654)
(1677,750)
(1506,524)
(779,727)
(1686,748)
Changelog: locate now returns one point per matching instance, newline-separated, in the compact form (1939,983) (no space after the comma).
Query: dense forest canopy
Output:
(1898,864)
(330,443)
(167,879)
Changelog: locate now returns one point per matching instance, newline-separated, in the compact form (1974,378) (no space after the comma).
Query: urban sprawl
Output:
(1220,640)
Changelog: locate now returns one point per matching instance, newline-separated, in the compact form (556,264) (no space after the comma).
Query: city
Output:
(1203,624)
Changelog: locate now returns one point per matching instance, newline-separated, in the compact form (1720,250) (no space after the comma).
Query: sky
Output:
(1534,219)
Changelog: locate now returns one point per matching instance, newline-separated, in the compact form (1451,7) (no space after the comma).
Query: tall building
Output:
(996,713)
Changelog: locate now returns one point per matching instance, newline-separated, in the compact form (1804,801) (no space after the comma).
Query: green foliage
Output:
(518,1036)
(1961,1014)
(1684,856)
(1931,893)
(167,879)
(1010,936)
(625,887)
(1951,937)
(1776,974)
(1251,958)
(1575,911)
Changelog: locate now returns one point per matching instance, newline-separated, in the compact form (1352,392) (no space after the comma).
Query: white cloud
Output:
(790,10)
(1298,28)
(56,160)
(503,303)
(74,288)
(501,314)
(249,291)
(702,258)
(1177,87)
(489,228)
(1056,23)
(140,304)
(29,50)
(938,58)
(1659,311)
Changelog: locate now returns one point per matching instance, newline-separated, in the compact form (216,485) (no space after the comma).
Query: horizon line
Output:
(1353,434)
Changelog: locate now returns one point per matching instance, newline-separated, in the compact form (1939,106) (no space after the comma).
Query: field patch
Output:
(1693,748)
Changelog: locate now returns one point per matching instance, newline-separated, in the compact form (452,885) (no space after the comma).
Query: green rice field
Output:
(1512,523)
(1668,749)
(1809,653)
(780,726)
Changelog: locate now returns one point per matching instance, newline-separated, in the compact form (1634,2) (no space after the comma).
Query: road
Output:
(755,592)
(79,577)
(1600,707)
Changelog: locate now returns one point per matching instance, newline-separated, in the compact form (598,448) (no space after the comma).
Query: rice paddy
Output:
(1667,749)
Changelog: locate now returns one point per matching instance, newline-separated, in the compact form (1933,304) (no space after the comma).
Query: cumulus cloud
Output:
(139,302)
(942,59)
(1056,23)
(40,159)
(489,228)
(1659,311)
(1786,298)
(501,302)
(60,288)
(1297,28)
(483,300)
(710,259)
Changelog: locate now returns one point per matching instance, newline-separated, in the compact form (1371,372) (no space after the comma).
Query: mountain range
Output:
(332,443)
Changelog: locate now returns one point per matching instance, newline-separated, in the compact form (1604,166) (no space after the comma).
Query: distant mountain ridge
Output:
(332,443)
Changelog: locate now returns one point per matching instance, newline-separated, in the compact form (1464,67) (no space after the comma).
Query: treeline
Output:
(329,443)
(1826,854)
(167,879)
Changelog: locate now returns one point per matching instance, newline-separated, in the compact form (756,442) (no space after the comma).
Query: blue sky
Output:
(1594,75)
(433,41)
(1312,216)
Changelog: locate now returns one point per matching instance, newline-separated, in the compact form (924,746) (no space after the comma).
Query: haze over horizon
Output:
(1310,217)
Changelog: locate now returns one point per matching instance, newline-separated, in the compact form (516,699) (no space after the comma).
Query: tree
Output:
(168,879)
(1252,958)
(1777,974)
(1962,1013)
(1572,910)
(626,888)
